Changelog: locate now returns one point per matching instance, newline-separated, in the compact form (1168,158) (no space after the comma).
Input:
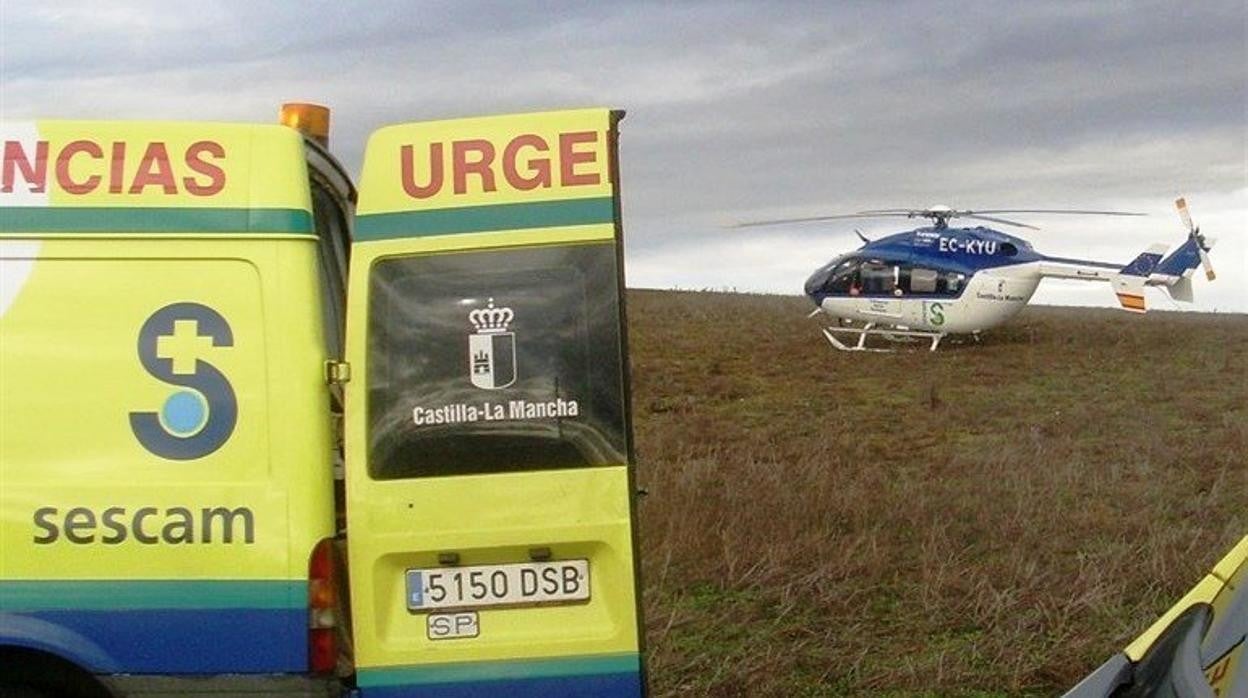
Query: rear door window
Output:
(495,361)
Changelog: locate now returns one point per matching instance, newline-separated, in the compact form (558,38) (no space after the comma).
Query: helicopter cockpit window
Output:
(845,277)
(953,282)
(923,280)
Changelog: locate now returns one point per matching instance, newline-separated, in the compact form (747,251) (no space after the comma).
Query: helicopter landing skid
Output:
(861,333)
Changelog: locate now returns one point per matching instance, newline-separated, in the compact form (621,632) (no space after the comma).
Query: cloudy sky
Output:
(736,111)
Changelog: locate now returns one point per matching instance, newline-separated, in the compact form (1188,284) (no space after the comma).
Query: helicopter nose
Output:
(816,282)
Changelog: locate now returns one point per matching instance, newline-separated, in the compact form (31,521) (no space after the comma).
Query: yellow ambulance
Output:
(1195,649)
(258,439)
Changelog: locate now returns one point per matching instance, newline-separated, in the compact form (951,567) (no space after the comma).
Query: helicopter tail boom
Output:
(1145,262)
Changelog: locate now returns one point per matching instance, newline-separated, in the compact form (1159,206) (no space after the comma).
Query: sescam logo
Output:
(195,422)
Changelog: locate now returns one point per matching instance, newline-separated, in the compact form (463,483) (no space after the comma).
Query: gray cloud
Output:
(736,111)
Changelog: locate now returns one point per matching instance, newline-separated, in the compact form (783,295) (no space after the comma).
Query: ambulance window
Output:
(495,361)
(331,234)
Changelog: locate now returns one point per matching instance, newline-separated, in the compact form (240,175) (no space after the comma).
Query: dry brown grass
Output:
(994,519)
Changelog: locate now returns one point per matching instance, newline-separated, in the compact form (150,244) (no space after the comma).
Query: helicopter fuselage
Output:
(930,282)
(940,279)
(989,300)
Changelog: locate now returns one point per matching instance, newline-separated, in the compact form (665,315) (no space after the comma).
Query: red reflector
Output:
(321,565)
(322,607)
(322,650)
(321,593)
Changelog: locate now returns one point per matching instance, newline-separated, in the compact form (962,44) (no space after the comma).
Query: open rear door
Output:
(488,440)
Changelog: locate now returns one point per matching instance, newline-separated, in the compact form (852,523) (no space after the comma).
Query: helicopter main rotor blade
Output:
(997,220)
(938,213)
(1057,210)
(809,219)
(892,212)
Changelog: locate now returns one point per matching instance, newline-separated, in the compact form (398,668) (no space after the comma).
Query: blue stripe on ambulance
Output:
(602,676)
(142,626)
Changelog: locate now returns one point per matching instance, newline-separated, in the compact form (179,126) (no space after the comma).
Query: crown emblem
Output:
(491,320)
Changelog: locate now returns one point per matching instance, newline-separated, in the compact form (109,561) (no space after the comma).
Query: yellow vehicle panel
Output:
(488,161)
(519,204)
(1195,648)
(151,178)
(164,436)
(1215,589)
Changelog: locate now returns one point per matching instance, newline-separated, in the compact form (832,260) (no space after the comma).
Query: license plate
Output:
(516,584)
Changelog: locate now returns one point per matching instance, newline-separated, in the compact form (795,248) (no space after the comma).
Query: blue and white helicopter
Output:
(935,281)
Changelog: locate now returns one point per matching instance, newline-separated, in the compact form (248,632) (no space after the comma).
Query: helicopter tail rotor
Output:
(1193,232)
(1175,271)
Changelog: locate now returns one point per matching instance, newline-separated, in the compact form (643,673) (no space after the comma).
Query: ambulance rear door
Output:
(490,513)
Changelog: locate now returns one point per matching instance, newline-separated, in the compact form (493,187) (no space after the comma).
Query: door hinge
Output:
(337,372)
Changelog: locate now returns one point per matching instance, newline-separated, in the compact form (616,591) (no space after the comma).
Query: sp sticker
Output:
(450,626)
(200,417)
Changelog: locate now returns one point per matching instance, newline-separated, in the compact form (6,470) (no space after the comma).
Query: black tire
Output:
(15,691)
(32,674)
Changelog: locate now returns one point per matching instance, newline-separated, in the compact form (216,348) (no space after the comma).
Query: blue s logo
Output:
(195,422)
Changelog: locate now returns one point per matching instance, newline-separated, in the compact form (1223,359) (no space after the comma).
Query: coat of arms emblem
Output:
(491,348)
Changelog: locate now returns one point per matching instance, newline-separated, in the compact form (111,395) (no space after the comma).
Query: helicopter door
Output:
(881,286)
(920,284)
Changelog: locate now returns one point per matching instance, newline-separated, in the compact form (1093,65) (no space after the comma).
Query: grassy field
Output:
(993,519)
